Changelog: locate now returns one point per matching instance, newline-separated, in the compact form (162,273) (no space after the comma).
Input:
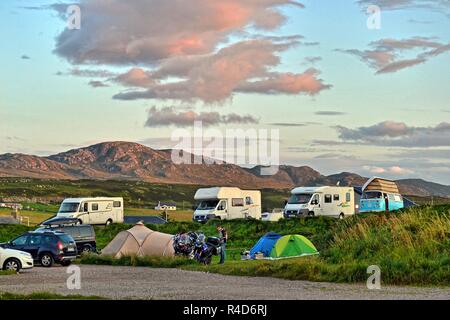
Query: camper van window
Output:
(67,207)
(328,198)
(208,204)
(391,197)
(348,197)
(398,198)
(117,204)
(336,197)
(237,202)
(84,207)
(300,198)
(94,206)
(372,195)
(248,201)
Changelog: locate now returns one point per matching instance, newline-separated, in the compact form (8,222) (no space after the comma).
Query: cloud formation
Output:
(329,113)
(395,170)
(391,55)
(188,50)
(390,133)
(129,32)
(97,84)
(442,6)
(240,67)
(169,116)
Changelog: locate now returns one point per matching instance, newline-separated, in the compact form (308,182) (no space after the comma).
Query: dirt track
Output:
(147,283)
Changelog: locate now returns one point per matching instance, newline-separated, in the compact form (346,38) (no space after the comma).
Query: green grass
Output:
(154,261)
(46,296)
(10,231)
(45,195)
(410,247)
(7,272)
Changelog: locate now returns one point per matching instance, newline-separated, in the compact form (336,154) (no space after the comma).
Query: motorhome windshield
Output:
(67,207)
(372,195)
(208,204)
(300,198)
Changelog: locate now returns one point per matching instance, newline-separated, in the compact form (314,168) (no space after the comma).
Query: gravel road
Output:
(148,283)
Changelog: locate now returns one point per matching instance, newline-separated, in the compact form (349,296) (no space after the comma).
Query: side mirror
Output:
(285,202)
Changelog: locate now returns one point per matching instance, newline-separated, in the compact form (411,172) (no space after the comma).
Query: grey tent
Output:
(140,241)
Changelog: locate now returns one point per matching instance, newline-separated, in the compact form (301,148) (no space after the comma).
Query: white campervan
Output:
(321,201)
(93,210)
(227,203)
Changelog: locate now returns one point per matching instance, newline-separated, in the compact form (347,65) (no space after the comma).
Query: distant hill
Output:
(133,161)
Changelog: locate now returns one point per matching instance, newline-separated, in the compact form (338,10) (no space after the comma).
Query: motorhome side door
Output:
(222,209)
(315,205)
(83,215)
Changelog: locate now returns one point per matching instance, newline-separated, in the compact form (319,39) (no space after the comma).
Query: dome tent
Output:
(274,246)
(140,241)
(265,244)
(291,246)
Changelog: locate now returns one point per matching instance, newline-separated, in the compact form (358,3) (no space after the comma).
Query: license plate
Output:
(70,249)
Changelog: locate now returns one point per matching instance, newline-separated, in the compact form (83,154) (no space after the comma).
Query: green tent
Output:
(292,246)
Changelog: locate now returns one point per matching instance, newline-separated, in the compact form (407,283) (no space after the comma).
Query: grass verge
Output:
(410,247)
(45,296)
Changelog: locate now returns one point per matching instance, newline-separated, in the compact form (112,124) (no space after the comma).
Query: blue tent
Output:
(265,244)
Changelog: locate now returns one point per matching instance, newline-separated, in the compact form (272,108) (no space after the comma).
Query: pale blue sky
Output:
(44,113)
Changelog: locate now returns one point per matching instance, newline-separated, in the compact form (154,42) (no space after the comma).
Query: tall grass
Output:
(410,247)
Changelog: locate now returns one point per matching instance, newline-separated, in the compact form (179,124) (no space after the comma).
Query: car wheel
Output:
(12,265)
(341,216)
(108,222)
(46,260)
(80,221)
(66,263)
(87,248)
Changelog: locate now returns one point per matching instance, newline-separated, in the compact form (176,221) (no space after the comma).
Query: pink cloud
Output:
(241,67)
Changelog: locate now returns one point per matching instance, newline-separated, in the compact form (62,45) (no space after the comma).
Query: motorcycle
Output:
(206,248)
(184,244)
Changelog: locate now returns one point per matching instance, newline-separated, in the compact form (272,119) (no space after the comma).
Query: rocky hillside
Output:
(132,161)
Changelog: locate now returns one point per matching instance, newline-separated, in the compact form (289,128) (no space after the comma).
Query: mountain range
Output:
(133,161)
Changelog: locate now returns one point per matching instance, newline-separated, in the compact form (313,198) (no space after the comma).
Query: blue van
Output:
(380,194)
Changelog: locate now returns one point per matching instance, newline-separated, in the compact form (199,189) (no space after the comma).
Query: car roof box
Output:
(58,221)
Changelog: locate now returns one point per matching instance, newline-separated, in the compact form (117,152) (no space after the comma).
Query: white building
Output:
(166,206)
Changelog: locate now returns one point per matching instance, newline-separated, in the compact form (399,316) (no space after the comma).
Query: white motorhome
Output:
(336,202)
(227,203)
(93,210)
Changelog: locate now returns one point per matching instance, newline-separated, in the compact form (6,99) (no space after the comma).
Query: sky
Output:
(345,96)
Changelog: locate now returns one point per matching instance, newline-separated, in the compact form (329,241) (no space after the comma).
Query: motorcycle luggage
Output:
(213,241)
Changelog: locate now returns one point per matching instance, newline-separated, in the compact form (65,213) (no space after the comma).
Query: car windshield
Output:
(300,198)
(208,204)
(67,207)
(372,195)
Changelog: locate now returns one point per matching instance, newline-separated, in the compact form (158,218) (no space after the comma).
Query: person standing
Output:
(223,235)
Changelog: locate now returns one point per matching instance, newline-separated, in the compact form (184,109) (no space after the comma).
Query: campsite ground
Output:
(153,283)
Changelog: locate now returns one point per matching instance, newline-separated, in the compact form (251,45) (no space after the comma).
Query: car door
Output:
(19,243)
(33,245)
